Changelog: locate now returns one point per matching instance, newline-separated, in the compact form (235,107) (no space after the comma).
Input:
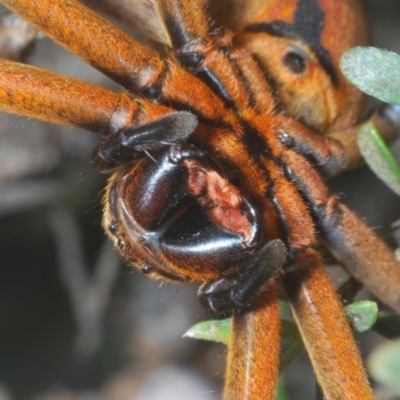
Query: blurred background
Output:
(75,323)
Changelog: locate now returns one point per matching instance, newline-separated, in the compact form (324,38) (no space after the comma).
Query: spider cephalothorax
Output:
(218,154)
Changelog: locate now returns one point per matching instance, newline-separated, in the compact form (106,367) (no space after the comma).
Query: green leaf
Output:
(285,311)
(374,71)
(290,336)
(362,315)
(290,354)
(388,325)
(289,332)
(281,392)
(384,364)
(218,330)
(378,156)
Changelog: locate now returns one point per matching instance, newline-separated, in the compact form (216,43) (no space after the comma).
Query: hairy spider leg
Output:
(210,111)
(130,63)
(194,51)
(41,94)
(326,333)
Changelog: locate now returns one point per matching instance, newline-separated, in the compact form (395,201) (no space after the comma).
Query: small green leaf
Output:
(378,156)
(397,254)
(374,71)
(218,330)
(281,392)
(362,315)
(290,354)
(384,364)
(388,325)
(289,332)
(285,311)
(291,338)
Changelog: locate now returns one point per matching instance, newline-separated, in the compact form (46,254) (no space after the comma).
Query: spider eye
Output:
(121,244)
(145,269)
(113,227)
(295,62)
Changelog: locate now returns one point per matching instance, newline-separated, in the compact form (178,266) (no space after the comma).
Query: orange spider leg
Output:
(351,241)
(365,256)
(253,352)
(33,92)
(338,151)
(189,31)
(251,372)
(315,303)
(316,306)
(84,33)
(326,333)
(233,75)
(129,63)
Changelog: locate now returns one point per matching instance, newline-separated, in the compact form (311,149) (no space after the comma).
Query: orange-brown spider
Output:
(218,153)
